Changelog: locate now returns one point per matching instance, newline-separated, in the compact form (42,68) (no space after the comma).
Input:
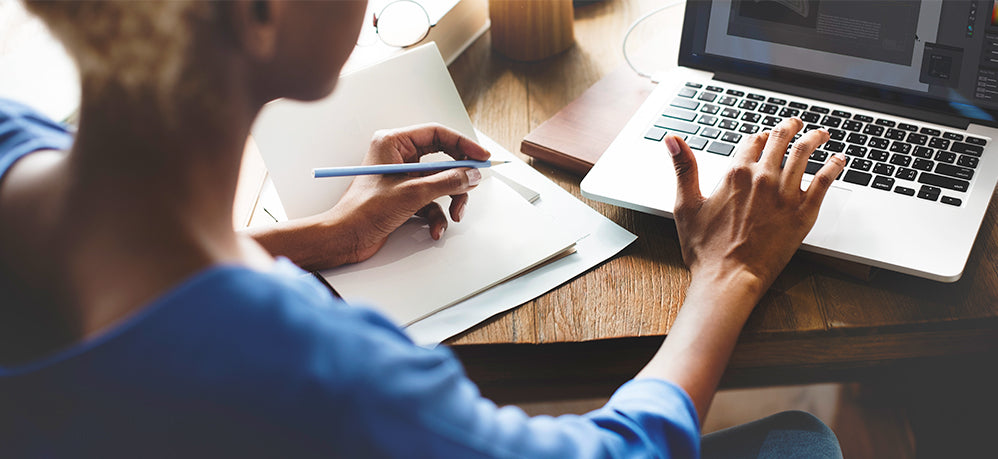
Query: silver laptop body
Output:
(879,75)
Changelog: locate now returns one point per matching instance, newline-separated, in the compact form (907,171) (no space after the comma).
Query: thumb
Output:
(687,180)
(447,182)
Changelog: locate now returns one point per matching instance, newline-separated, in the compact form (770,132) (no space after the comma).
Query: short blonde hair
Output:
(139,45)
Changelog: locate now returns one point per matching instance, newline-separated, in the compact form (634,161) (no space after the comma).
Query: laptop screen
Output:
(932,55)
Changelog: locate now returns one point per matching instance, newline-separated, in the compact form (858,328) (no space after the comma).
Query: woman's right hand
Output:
(758,216)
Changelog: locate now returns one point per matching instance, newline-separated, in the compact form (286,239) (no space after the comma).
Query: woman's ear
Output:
(256,24)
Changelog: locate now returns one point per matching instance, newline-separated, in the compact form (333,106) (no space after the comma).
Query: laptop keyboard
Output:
(903,158)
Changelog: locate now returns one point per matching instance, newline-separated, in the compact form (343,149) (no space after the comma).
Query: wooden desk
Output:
(593,333)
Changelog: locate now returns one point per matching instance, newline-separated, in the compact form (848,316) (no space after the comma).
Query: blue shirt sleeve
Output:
(24,130)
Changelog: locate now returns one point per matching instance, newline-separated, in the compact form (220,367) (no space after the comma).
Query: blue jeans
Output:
(789,434)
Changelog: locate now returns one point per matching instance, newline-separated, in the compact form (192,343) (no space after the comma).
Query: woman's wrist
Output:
(318,242)
(734,283)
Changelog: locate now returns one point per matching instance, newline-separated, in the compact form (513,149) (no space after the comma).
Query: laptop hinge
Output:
(957,122)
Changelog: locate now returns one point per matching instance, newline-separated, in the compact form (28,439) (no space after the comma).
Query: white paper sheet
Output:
(605,240)
(413,276)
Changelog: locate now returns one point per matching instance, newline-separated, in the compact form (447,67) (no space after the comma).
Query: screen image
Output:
(939,50)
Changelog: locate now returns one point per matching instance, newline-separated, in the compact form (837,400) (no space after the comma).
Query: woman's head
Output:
(183,48)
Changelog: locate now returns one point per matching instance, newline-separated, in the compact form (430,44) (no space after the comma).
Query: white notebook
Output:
(500,237)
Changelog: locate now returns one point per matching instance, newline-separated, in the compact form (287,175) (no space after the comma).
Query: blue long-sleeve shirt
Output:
(239,362)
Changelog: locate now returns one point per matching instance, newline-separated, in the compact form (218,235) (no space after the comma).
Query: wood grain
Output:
(527,30)
(815,323)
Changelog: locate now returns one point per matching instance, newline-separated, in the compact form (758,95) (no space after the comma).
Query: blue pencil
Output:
(321,172)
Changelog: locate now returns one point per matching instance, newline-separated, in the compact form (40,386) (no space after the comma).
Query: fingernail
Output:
(672,145)
(474,177)
(841,157)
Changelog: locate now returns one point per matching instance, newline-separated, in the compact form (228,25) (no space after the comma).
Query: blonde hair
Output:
(138,45)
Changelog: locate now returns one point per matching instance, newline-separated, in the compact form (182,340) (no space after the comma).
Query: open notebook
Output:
(412,276)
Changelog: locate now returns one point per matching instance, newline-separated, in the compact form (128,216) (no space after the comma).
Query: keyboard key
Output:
(728,124)
(841,114)
(687,92)
(810,117)
(731,137)
(817,109)
(873,129)
(751,117)
(857,177)
(900,147)
(930,131)
(771,121)
(905,191)
(951,201)
(769,109)
(720,148)
(748,104)
(798,105)
(953,136)
(819,155)
(863,118)
(836,134)
(735,92)
(862,164)
(967,161)
(887,123)
(685,103)
(831,121)
(852,125)
(710,109)
(715,89)
(939,142)
(730,113)
(906,174)
(759,97)
(883,183)
(728,100)
(777,101)
(707,120)
(711,133)
(856,150)
(655,133)
(811,127)
(748,128)
(929,192)
(697,143)
(878,155)
(955,171)
(884,169)
(788,112)
(945,182)
(917,139)
(922,152)
(908,127)
(708,96)
(900,160)
(946,156)
(812,167)
(856,138)
(678,113)
(879,142)
(966,148)
(694,85)
(976,140)
(895,134)
(923,164)
(834,146)
(673,124)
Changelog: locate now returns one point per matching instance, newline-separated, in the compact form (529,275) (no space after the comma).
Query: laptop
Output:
(908,90)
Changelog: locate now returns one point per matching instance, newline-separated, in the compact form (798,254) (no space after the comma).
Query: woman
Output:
(136,322)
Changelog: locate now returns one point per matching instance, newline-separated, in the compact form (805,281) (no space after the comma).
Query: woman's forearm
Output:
(701,340)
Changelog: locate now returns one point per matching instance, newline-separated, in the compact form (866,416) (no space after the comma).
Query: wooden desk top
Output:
(812,317)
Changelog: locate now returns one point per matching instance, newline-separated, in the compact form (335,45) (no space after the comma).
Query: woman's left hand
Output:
(375,205)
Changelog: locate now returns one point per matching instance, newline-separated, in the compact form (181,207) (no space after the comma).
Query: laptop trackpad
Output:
(827,225)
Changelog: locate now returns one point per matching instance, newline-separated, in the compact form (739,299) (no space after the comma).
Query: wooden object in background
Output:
(531,30)
(575,137)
